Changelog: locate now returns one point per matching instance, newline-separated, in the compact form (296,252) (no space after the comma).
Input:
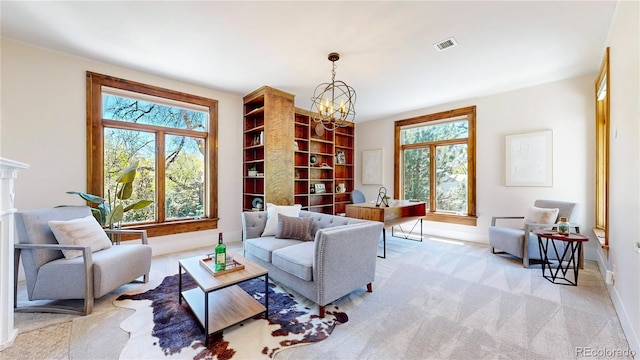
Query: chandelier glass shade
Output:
(333,104)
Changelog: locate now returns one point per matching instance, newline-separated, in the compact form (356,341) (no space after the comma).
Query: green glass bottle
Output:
(221,254)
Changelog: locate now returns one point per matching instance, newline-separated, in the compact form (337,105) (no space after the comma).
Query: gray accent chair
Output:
(523,243)
(50,276)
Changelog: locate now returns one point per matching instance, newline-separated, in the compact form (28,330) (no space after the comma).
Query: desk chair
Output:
(357,197)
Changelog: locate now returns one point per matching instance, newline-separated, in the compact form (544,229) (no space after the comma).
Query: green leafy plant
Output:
(110,211)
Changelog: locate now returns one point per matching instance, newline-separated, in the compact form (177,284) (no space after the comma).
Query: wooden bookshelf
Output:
(344,167)
(294,156)
(268,143)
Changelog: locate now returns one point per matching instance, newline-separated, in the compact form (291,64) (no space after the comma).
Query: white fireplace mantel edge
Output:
(8,173)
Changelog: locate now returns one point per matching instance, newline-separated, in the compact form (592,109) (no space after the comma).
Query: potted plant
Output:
(253,171)
(110,211)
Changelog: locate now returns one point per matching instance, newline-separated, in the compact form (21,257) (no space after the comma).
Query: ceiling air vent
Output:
(445,44)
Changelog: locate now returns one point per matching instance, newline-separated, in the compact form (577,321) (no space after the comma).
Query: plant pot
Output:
(253,173)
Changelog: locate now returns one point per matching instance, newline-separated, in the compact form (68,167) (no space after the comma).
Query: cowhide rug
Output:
(162,328)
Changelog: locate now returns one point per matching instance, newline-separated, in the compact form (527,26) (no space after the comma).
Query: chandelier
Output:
(333,104)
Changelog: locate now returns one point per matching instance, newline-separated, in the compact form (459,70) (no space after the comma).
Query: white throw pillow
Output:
(81,231)
(272,216)
(536,215)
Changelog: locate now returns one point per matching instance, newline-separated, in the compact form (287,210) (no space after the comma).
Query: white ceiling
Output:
(386,47)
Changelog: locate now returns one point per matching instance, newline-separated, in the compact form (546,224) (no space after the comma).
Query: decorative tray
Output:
(209,264)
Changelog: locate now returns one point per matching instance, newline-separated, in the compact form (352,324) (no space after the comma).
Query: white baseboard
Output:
(10,338)
(623,316)
(188,241)
(589,253)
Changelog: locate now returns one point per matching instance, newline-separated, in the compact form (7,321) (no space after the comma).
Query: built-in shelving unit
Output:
(268,145)
(344,167)
(297,160)
(321,169)
(301,146)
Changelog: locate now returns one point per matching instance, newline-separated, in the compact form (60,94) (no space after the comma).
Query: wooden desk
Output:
(398,212)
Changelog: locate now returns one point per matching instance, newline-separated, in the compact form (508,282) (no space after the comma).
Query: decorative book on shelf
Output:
(231,266)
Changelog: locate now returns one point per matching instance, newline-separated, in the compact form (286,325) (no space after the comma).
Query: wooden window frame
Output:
(603,131)
(440,216)
(95,151)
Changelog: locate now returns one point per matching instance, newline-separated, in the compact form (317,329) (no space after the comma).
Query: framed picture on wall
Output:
(372,166)
(529,159)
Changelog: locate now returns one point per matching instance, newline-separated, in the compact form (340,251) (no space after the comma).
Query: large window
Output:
(602,152)
(435,158)
(172,136)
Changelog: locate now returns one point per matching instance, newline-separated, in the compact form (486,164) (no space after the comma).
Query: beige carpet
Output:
(431,300)
(454,300)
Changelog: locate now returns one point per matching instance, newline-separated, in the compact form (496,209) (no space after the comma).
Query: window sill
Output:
(452,219)
(176,227)
(601,235)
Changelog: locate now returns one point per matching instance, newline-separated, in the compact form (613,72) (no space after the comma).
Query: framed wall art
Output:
(372,166)
(529,159)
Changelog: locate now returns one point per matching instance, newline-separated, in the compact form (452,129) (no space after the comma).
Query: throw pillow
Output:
(82,231)
(536,215)
(294,228)
(272,216)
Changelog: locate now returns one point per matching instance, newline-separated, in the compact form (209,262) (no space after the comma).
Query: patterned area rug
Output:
(162,328)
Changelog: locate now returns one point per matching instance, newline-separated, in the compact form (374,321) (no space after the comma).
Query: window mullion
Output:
(160,178)
(432,178)
(151,128)
(439,142)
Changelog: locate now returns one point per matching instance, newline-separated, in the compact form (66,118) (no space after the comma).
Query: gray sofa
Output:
(340,259)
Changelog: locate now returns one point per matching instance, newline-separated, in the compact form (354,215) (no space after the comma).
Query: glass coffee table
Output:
(217,301)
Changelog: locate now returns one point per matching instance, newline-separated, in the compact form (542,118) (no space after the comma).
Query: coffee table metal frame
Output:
(547,242)
(217,301)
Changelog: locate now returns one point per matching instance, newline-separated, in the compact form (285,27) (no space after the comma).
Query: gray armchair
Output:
(523,243)
(51,276)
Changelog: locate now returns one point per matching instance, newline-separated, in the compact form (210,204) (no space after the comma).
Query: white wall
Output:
(624,186)
(43,124)
(566,107)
